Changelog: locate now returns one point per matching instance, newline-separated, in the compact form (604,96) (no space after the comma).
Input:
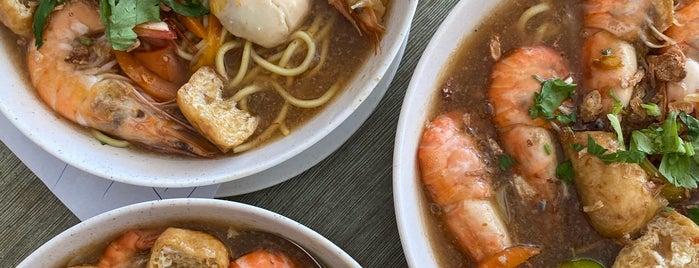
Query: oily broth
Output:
(464,83)
(346,54)
(244,242)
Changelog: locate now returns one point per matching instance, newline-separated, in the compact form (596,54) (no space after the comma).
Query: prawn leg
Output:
(365,15)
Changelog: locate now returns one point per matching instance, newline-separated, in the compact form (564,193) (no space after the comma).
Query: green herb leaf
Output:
(680,170)
(617,107)
(692,126)
(553,93)
(616,125)
(41,16)
(190,8)
(547,149)
(124,15)
(618,156)
(506,162)
(576,147)
(652,109)
(565,172)
(693,214)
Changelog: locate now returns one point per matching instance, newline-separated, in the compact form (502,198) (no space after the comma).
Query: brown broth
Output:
(464,83)
(245,240)
(346,54)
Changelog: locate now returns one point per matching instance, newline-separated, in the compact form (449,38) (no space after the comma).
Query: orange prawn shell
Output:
(438,167)
(623,18)
(513,86)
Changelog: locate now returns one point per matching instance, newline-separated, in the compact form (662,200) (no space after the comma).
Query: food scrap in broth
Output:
(578,146)
(189,77)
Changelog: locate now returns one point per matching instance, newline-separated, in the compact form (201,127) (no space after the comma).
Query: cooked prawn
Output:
(92,95)
(610,69)
(121,251)
(263,258)
(686,34)
(525,139)
(622,18)
(366,15)
(455,176)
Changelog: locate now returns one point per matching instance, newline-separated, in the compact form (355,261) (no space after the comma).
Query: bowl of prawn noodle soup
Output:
(423,242)
(93,235)
(75,145)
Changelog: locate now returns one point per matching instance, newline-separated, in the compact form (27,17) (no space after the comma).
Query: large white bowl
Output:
(63,139)
(412,214)
(103,227)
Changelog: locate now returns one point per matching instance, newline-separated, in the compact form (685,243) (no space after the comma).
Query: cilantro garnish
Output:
(617,107)
(565,172)
(553,93)
(121,16)
(616,125)
(618,156)
(693,214)
(576,147)
(652,109)
(40,17)
(506,162)
(679,163)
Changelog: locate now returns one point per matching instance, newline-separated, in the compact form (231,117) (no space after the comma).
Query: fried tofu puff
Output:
(177,247)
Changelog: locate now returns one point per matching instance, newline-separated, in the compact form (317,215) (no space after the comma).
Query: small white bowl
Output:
(75,146)
(412,212)
(66,245)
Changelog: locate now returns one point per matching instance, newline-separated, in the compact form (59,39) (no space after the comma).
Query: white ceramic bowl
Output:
(75,146)
(60,249)
(409,199)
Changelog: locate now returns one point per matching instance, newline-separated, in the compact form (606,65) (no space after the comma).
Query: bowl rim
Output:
(48,130)
(314,239)
(409,200)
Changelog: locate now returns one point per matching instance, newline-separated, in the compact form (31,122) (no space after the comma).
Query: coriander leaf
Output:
(618,156)
(565,172)
(645,141)
(617,107)
(680,170)
(692,126)
(593,148)
(693,214)
(652,109)
(616,125)
(567,119)
(188,8)
(553,93)
(506,162)
(576,147)
(670,138)
(124,15)
(41,16)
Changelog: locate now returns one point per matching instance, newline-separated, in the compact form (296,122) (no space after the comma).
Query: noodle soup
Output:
(129,88)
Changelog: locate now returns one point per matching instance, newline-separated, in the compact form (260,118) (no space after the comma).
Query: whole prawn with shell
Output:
(93,94)
(78,75)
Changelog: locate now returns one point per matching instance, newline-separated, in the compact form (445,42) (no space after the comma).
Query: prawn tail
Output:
(510,257)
